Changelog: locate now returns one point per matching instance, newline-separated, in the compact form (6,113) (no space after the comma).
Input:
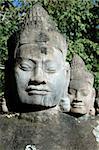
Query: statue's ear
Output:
(93,96)
(65,101)
(92,109)
(67,74)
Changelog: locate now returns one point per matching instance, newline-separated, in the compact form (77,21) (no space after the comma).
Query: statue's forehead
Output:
(37,50)
(51,39)
(80,84)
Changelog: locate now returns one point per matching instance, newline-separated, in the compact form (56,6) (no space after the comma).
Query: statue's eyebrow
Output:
(43,49)
(25,59)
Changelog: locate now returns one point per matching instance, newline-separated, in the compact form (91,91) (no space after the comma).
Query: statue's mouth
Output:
(37,91)
(77,105)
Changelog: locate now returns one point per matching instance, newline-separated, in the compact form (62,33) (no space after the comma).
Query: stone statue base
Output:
(62,132)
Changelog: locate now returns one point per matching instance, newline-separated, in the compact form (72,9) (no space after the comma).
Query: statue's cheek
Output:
(22,77)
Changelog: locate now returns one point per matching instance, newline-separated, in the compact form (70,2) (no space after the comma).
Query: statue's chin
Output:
(41,100)
(81,111)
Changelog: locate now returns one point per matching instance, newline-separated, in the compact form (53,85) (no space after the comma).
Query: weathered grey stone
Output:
(3,106)
(96,132)
(38,64)
(64,133)
(43,126)
(65,100)
(81,91)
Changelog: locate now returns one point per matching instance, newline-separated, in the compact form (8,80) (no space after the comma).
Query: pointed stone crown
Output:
(39,28)
(77,62)
(79,73)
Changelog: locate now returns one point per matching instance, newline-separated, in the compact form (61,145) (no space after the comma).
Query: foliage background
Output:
(78,20)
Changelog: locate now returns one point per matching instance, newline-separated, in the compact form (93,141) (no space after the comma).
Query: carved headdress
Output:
(39,29)
(79,73)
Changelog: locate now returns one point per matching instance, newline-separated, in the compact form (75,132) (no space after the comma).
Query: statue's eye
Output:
(50,66)
(72,91)
(51,69)
(84,92)
(25,67)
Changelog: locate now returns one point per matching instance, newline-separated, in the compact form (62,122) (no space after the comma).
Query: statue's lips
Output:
(77,105)
(37,91)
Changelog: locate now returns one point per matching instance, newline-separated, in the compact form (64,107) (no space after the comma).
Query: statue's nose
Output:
(77,97)
(38,76)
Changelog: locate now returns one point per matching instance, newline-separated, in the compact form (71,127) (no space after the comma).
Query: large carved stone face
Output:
(40,75)
(82,99)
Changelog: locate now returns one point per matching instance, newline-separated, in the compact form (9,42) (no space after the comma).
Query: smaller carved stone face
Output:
(40,75)
(82,99)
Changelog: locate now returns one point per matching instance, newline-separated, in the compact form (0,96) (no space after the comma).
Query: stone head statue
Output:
(38,61)
(81,91)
